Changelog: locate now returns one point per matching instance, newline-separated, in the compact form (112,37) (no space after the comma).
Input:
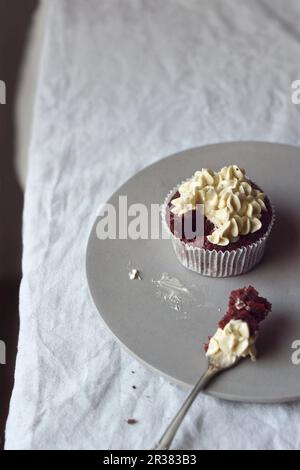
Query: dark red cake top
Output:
(247,305)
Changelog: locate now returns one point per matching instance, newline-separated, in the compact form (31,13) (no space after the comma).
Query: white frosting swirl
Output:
(229,200)
(227,346)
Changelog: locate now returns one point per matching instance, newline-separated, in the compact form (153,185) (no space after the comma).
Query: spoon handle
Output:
(166,440)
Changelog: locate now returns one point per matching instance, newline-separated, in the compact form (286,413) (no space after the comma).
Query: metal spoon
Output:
(166,440)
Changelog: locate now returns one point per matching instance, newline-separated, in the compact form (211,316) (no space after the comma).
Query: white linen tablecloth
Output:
(122,84)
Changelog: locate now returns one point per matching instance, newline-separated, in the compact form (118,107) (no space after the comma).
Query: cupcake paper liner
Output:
(215,263)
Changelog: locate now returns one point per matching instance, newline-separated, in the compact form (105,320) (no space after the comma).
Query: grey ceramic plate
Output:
(170,341)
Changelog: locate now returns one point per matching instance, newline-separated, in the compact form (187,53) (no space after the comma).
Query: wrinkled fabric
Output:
(122,84)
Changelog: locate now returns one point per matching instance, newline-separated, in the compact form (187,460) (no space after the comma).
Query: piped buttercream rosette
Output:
(229,200)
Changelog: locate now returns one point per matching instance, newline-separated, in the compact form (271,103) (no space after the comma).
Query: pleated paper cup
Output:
(215,263)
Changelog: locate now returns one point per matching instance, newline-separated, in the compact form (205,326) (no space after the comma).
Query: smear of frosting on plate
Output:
(172,292)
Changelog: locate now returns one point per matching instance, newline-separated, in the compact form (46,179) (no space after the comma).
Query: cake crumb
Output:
(132,421)
(134,274)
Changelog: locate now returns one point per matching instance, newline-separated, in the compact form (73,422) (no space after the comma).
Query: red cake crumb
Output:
(247,305)
(132,421)
(206,344)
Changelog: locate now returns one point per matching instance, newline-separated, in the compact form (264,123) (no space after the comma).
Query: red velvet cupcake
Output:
(218,222)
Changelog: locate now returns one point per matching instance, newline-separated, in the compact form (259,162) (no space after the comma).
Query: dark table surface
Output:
(14,23)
